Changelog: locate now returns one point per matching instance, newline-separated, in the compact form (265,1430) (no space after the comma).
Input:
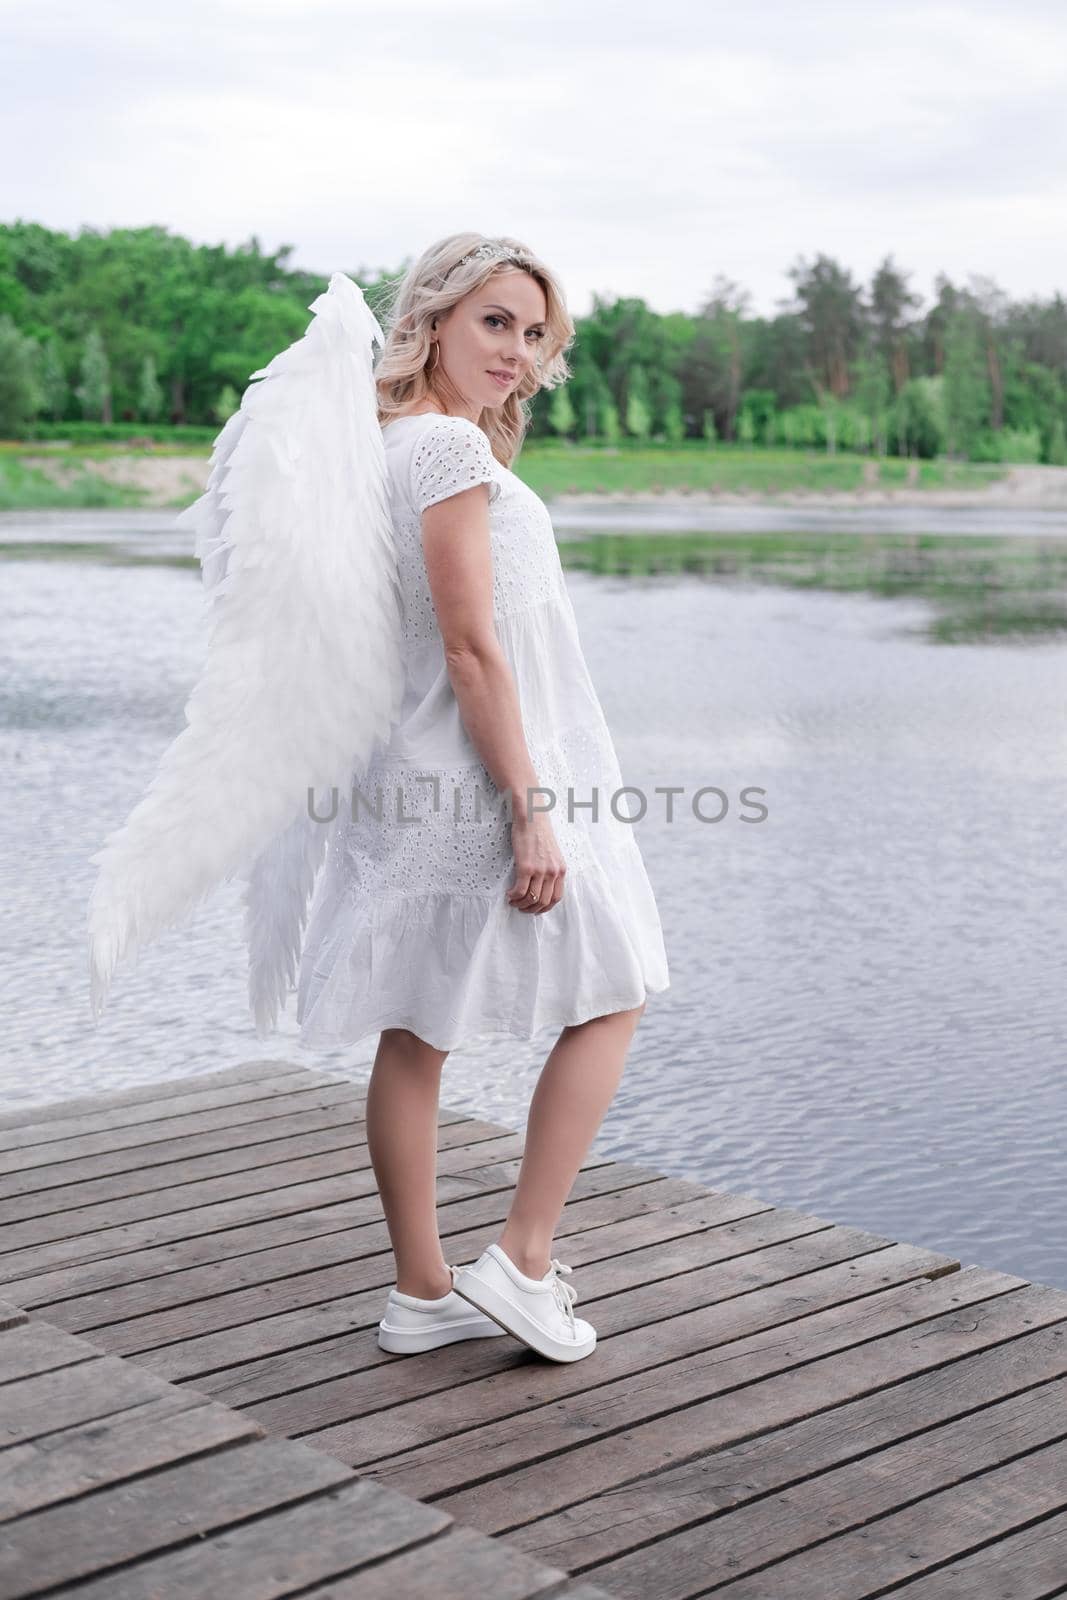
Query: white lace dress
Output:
(410,926)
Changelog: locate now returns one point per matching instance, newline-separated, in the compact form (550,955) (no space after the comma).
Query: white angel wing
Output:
(276,901)
(304,672)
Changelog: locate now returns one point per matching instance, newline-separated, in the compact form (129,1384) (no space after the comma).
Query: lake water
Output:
(867,1016)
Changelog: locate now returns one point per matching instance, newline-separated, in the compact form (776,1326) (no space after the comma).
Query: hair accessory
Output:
(490,248)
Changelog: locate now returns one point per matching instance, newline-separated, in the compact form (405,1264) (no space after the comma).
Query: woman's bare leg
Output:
(402,1111)
(575,1088)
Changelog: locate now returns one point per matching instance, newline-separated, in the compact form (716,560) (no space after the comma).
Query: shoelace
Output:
(566,1294)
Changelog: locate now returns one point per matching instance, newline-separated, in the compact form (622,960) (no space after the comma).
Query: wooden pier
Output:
(193,1403)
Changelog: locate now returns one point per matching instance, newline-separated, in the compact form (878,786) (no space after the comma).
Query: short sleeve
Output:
(450,456)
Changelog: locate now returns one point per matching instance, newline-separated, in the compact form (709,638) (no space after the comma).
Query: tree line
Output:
(131,329)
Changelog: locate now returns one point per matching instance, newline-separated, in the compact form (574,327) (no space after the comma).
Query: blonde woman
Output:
(386,602)
(496,887)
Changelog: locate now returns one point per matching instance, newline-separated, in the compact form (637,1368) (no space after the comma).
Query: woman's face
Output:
(496,329)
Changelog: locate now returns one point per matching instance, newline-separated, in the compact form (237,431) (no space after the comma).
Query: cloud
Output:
(642,150)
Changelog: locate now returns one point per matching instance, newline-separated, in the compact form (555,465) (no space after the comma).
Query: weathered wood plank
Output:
(687,1421)
(345,1110)
(768,1387)
(60,1110)
(429,1400)
(124,1192)
(349,1134)
(84,1392)
(300,1363)
(143,1333)
(1028,1565)
(361,1265)
(176,1424)
(134,1144)
(180,1104)
(604,1527)
(115,1173)
(237,1247)
(278,1554)
(67,1225)
(10,1316)
(155,1232)
(202,1357)
(458,1562)
(738,1348)
(685,1235)
(896,1547)
(78,1538)
(210,1360)
(31,1347)
(167,1492)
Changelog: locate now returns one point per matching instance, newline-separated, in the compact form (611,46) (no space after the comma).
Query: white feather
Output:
(304,673)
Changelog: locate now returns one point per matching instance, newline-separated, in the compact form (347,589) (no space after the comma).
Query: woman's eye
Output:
(537,333)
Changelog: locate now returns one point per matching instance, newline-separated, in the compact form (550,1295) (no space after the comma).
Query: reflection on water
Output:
(978,586)
(866,1016)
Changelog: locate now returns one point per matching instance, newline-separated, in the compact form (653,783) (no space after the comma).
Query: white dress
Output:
(410,926)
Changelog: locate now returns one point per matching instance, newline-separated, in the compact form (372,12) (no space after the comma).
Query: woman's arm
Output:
(458,556)
(455,542)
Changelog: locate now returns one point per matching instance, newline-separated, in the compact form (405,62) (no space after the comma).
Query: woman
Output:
(437,919)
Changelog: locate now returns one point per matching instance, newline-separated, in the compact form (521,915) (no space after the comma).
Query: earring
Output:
(433,363)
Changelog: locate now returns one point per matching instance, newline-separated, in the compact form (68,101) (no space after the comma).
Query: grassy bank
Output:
(553,469)
(79,488)
(34,477)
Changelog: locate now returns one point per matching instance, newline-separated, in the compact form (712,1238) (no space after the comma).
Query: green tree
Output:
(935,325)
(20,393)
(872,390)
(1056,449)
(966,388)
(149,393)
(610,427)
(227,403)
(889,308)
(830,308)
(210,315)
(94,391)
(919,417)
(638,409)
(716,356)
(757,416)
(673,423)
(589,389)
(561,415)
(55,390)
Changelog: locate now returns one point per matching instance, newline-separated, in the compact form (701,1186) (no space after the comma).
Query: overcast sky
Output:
(641,149)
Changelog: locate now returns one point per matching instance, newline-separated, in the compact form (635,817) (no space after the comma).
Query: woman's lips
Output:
(504,379)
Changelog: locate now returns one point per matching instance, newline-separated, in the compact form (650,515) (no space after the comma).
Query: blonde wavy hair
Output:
(404,372)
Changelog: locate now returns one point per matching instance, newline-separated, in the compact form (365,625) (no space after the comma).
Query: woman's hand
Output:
(539,865)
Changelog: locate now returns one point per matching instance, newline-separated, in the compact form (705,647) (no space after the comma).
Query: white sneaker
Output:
(539,1311)
(411,1324)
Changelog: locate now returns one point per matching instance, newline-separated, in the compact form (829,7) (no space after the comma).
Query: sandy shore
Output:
(1035,488)
(167,479)
(172,480)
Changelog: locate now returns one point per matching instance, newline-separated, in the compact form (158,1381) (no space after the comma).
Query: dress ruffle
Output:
(452,968)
